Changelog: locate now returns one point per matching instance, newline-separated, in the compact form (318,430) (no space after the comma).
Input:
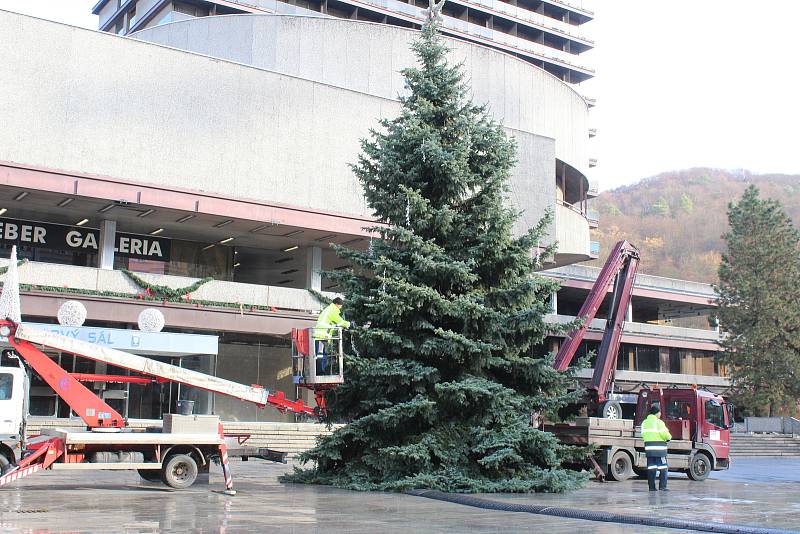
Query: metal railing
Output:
(480,32)
(548,23)
(769,425)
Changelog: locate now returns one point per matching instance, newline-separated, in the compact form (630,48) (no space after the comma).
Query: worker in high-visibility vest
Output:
(655,436)
(329,318)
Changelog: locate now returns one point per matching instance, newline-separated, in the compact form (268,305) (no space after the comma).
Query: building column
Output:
(629,313)
(314,268)
(108,236)
(554,302)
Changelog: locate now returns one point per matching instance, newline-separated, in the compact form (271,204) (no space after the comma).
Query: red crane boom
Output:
(619,270)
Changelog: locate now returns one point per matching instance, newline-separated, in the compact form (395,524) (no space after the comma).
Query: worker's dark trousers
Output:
(657,465)
(321,349)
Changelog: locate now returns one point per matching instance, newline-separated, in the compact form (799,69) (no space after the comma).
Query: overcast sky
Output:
(680,83)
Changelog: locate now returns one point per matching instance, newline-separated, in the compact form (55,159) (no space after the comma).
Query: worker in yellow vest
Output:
(329,319)
(655,436)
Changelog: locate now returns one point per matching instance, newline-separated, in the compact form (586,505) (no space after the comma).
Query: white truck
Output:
(175,454)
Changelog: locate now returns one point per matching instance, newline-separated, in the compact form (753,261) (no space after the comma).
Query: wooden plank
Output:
(607,433)
(602,423)
(612,442)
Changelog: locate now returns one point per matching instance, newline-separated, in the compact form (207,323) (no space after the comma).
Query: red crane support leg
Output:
(89,407)
(47,453)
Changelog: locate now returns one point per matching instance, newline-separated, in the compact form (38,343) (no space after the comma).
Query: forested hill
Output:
(677,218)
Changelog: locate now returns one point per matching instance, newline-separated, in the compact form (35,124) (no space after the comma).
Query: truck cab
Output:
(13,383)
(699,416)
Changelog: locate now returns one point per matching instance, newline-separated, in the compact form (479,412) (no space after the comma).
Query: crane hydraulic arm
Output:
(619,270)
(93,410)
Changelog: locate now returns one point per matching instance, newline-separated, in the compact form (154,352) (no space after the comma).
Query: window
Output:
(715,413)
(678,409)
(6,386)
(132,17)
(626,358)
(674,360)
(190,9)
(647,359)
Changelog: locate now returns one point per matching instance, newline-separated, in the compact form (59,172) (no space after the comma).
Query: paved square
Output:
(755,492)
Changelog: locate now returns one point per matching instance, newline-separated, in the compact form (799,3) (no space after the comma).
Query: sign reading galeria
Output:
(79,239)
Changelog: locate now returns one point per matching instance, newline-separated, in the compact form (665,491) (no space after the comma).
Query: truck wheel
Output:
(621,467)
(150,475)
(611,410)
(699,467)
(179,472)
(5,464)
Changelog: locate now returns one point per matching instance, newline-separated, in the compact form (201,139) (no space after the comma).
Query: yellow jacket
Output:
(329,318)
(654,429)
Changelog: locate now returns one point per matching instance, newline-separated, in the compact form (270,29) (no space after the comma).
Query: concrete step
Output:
(765,445)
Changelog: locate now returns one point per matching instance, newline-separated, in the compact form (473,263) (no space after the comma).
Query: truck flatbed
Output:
(619,448)
(73,437)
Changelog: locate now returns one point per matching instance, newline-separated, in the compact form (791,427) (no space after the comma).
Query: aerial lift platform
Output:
(175,454)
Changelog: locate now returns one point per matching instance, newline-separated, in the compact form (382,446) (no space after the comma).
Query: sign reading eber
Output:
(79,239)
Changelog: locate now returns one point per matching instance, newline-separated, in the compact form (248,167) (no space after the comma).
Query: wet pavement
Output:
(756,492)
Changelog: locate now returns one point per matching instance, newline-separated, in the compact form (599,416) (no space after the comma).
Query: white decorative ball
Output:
(72,313)
(151,320)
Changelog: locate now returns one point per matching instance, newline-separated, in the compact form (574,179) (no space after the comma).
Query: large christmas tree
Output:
(759,306)
(441,387)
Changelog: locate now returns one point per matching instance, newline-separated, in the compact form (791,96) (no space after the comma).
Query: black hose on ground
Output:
(591,515)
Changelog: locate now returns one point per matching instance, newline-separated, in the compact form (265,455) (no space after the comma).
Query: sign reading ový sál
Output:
(79,239)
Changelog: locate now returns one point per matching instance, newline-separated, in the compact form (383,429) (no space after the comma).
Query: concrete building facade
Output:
(546,33)
(219,147)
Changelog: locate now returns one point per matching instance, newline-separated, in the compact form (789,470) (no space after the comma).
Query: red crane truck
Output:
(175,454)
(699,421)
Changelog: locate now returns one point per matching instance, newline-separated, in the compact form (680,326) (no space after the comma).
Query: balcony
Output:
(538,20)
(593,216)
(113,296)
(646,333)
(572,233)
(482,34)
(644,377)
(679,288)
(576,5)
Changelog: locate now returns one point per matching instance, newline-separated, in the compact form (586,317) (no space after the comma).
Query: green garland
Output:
(320,297)
(157,293)
(4,270)
(129,296)
(156,290)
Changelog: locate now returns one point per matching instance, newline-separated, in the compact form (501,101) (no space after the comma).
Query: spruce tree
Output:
(759,305)
(440,388)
